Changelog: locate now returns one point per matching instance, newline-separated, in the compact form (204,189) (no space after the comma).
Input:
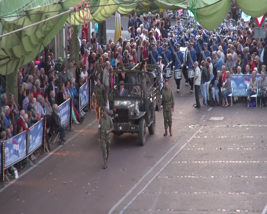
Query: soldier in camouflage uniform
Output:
(99,98)
(168,107)
(105,128)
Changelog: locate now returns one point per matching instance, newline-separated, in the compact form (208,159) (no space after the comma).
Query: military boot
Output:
(166,133)
(105,164)
(170,130)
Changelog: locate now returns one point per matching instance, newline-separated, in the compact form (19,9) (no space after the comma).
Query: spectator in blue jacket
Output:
(219,63)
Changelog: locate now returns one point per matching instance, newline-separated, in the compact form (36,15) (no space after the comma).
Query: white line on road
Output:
(203,116)
(148,172)
(265,210)
(210,108)
(47,156)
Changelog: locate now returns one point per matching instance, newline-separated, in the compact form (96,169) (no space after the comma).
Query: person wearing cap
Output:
(205,53)
(214,46)
(154,55)
(195,31)
(159,48)
(185,72)
(179,61)
(184,37)
(179,28)
(99,98)
(191,59)
(223,44)
(166,55)
(168,107)
(172,47)
(199,46)
(105,128)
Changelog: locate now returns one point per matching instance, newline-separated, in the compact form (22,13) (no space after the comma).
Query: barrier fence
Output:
(22,145)
(83,92)
(240,83)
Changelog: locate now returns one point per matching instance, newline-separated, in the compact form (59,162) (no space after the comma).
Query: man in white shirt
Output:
(197,81)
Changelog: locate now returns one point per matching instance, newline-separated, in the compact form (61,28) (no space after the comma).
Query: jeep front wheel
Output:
(152,127)
(142,132)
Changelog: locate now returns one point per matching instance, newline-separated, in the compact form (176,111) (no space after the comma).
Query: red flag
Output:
(247,79)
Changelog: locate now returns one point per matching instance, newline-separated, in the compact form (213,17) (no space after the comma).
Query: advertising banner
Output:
(240,83)
(15,149)
(36,136)
(84,95)
(64,112)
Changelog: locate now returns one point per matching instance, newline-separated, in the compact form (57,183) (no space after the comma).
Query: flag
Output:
(16,148)
(117,33)
(247,79)
(245,17)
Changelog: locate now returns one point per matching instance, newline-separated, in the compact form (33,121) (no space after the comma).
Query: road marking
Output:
(265,210)
(47,156)
(216,118)
(210,108)
(148,172)
(228,126)
(203,116)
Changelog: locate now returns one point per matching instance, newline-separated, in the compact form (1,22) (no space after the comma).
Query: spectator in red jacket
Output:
(21,122)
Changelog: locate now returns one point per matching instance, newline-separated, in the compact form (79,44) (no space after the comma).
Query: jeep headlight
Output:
(122,103)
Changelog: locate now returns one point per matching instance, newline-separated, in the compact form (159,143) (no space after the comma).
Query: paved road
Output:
(208,166)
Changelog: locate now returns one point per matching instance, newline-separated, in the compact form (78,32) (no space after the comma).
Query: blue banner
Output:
(84,95)
(240,84)
(36,136)
(64,112)
(15,149)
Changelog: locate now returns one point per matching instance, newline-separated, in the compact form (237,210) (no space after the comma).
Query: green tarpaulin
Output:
(19,48)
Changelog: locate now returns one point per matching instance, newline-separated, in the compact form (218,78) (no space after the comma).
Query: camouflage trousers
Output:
(105,148)
(167,115)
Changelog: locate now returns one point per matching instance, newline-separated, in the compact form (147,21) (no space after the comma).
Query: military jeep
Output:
(134,106)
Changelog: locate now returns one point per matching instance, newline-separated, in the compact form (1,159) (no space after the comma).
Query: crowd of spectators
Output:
(44,85)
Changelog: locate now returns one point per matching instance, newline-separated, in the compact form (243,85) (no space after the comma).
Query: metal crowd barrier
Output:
(22,145)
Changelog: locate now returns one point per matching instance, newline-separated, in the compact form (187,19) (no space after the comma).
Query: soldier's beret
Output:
(105,109)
